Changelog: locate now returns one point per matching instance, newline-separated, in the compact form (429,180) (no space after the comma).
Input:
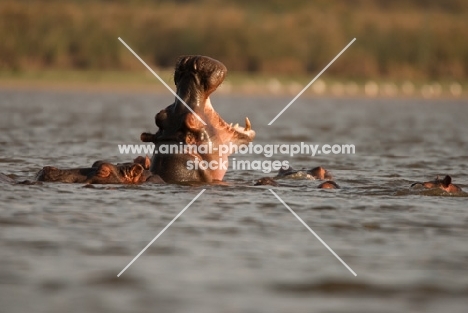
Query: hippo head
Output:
(330,184)
(195,123)
(444,184)
(107,173)
(320,173)
(100,173)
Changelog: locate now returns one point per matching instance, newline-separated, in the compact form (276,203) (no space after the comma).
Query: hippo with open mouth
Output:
(196,78)
(189,121)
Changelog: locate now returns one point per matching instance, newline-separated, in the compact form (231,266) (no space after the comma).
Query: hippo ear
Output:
(136,170)
(143,161)
(103,171)
(147,163)
(447,181)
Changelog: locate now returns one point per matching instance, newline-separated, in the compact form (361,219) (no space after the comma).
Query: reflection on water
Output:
(236,249)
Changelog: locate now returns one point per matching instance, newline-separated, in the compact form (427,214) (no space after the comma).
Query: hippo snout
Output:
(207,72)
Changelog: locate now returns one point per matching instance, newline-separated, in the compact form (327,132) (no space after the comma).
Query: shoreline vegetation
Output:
(403,47)
(236,83)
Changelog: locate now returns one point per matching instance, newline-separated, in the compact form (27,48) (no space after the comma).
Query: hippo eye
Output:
(123,172)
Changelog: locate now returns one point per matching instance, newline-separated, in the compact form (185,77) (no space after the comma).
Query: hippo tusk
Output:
(247,124)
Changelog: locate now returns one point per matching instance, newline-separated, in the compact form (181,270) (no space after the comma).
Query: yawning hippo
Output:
(195,77)
(189,121)
(444,184)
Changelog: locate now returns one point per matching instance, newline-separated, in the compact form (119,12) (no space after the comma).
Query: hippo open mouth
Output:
(195,77)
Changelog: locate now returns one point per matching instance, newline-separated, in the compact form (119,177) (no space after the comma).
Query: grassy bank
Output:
(396,40)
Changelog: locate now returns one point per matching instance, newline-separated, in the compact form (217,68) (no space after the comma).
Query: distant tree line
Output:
(395,39)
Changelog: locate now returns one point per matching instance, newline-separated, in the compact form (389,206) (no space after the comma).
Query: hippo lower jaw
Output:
(223,134)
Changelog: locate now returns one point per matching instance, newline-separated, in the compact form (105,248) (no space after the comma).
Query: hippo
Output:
(328,185)
(190,121)
(196,78)
(266,181)
(444,184)
(102,172)
(6,179)
(290,173)
(315,173)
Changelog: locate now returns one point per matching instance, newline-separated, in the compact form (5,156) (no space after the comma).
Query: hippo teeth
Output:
(237,125)
(247,124)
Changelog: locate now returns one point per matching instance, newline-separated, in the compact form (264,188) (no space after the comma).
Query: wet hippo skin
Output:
(328,185)
(290,173)
(444,184)
(102,172)
(6,179)
(266,181)
(315,173)
(195,77)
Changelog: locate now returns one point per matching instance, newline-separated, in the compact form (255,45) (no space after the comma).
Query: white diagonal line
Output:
(161,232)
(161,80)
(312,81)
(313,233)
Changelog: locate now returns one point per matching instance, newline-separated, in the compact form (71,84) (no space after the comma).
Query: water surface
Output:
(236,249)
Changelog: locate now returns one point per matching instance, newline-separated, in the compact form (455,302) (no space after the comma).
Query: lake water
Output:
(237,248)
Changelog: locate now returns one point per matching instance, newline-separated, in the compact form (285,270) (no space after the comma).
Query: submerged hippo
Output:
(444,184)
(102,172)
(315,173)
(6,179)
(328,185)
(290,173)
(196,78)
